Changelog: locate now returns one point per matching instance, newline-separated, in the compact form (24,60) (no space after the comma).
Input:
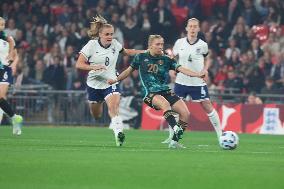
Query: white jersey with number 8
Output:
(96,54)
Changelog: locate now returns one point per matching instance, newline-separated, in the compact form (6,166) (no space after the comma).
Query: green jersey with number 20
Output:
(153,71)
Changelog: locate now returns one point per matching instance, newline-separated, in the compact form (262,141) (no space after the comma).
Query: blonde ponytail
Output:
(96,26)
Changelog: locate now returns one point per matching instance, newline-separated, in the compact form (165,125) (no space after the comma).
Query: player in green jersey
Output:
(153,67)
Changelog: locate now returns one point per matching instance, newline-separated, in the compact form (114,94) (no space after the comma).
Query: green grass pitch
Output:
(85,157)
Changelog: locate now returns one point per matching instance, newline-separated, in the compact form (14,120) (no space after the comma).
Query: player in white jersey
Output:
(102,53)
(8,63)
(191,52)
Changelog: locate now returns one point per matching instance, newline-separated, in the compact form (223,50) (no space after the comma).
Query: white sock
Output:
(215,121)
(171,132)
(116,125)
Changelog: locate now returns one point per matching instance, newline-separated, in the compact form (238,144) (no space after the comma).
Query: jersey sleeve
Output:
(205,50)
(135,62)
(3,35)
(173,64)
(118,46)
(86,50)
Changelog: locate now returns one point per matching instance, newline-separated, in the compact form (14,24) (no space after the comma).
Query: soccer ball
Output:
(229,140)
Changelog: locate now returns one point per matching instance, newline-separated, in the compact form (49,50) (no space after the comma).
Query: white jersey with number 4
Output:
(190,56)
(96,54)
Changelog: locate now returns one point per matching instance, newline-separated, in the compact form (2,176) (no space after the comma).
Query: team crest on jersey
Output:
(4,43)
(161,62)
(198,51)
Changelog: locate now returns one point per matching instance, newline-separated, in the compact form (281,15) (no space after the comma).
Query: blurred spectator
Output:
(233,84)
(280,36)
(123,64)
(256,79)
(249,13)
(144,25)
(232,47)
(253,99)
(131,30)
(241,37)
(127,87)
(64,16)
(270,87)
(277,69)
(39,70)
(234,10)
(258,52)
(54,74)
(221,76)
(246,66)
(69,65)
(272,45)
(245,37)
(11,29)
(129,13)
(221,33)
(234,61)
(78,85)
(162,22)
(118,34)
(212,43)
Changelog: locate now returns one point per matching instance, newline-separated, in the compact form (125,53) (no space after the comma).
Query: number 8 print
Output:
(107,61)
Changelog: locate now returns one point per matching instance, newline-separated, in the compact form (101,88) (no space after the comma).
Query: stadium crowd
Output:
(245,38)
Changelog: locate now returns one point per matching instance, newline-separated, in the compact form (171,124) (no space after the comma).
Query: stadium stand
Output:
(245,37)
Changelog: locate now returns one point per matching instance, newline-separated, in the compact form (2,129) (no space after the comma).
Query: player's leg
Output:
(183,112)
(95,98)
(159,102)
(171,132)
(213,117)
(112,101)
(181,91)
(17,120)
(180,108)
(96,109)
(200,94)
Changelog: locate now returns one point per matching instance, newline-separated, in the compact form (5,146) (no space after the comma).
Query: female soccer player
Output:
(8,60)
(191,52)
(99,57)
(153,67)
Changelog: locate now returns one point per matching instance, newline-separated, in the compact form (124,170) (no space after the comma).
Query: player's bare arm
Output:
(190,72)
(206,64)
(205,69)
(121,76)
(82,65)
(132,52)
